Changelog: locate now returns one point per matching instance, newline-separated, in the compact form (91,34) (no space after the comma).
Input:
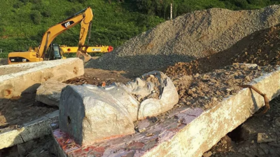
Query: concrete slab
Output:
(28,131)
(18,78)
(190,134)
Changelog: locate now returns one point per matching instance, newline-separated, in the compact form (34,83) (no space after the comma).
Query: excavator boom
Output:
(54,31)
(43,52)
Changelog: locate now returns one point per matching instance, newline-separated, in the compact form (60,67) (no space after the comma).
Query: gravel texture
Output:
(203,90)
(188,37)
(261,47)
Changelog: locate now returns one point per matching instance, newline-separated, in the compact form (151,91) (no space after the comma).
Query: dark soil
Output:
(99,77)
(17,111)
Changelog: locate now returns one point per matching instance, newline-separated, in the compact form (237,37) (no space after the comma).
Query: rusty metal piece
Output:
(266,101)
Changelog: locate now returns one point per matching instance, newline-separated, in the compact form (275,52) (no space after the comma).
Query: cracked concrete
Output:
(32,74)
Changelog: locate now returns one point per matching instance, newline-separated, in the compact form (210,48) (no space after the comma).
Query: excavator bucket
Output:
(85,57)
(82,53)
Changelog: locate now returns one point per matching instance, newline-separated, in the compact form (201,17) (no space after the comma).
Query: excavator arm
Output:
(84,17)
(48,51)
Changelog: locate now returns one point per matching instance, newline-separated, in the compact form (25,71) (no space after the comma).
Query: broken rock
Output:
(263,137)
(49,92)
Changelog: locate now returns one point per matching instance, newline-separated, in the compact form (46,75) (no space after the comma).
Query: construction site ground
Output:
(261,48)
(236,144)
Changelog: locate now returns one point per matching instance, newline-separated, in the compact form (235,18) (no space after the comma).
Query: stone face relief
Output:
(90,113)
(155,92)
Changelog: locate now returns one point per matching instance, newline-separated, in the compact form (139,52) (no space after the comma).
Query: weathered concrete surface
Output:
(49,92)
(28,131)
(14,79)
(193,132)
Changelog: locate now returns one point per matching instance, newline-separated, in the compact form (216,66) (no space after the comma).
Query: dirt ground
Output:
(17,111)
(261,48)
(99,76)
(193,92)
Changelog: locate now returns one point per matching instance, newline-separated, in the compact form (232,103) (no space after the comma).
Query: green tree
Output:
(36,17)
(18,4)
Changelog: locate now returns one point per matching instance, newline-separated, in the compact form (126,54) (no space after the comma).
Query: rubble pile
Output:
(187,37)
(203,90)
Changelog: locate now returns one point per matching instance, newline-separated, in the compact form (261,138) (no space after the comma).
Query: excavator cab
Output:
(53,52)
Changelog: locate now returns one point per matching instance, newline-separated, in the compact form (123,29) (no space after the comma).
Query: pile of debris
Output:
(261,48)
(188,37)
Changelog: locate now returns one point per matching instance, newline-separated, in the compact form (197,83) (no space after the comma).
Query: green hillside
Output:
(23,22)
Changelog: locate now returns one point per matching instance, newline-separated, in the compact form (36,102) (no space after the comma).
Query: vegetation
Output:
(23,22)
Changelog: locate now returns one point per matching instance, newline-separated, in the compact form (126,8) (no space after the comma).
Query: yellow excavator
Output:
(64,49)
(49,51)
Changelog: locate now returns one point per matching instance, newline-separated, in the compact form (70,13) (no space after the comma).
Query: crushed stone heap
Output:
(190,36)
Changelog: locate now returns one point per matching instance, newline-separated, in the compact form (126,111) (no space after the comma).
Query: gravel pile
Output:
(261,48)
(188,37)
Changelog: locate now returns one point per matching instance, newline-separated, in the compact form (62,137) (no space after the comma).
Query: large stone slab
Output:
(18,78)
(190,134)
(49,92)
(28,131)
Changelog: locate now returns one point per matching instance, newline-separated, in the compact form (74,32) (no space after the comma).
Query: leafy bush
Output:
(73,10)
(36,1)
(80,1)
(3,55)
(36,17)
(47,13)
(24,1)
(18,4)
